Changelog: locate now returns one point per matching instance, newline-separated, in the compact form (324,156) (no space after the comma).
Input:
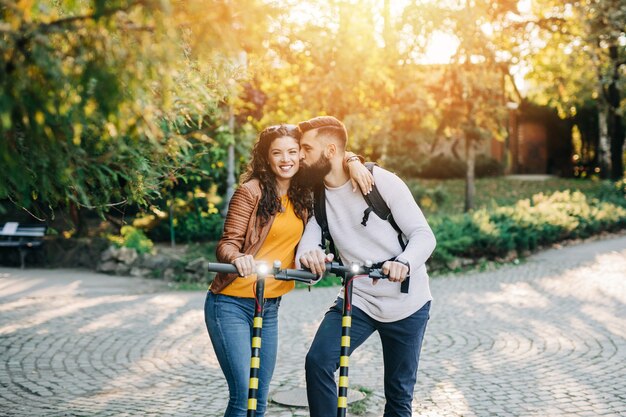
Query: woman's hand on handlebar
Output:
(245,265)
(315,261)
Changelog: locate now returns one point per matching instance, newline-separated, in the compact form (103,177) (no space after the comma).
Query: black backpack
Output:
(375,203)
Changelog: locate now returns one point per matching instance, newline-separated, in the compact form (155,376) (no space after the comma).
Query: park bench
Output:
(22,236)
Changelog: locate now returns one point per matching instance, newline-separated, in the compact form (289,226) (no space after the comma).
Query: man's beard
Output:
(312,175)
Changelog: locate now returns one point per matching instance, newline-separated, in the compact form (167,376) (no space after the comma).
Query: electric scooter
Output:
(347,275)
(262,270)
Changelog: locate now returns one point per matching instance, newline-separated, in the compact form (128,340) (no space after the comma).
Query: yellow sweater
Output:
(280,244)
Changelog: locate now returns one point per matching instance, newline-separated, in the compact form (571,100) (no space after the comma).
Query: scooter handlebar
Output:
(356,269)
(222,268)
(374,273)
(279,274)
(377,274)
(296,275)
(307,276)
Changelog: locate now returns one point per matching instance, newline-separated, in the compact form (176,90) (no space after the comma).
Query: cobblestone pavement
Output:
(545,338)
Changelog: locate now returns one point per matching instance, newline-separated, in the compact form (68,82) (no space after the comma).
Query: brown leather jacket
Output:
(243,233)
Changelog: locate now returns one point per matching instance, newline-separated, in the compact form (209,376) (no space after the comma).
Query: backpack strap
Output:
(376,204)
(319,210)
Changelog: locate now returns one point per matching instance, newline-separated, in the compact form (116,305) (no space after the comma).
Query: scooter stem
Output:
(255,358)
(344,357)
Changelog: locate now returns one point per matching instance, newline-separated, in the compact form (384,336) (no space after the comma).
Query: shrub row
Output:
(445,167)
(530,223)
(191,226)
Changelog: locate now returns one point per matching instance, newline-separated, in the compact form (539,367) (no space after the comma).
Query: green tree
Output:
(333,63)
(85,87)
(577,61)
(227,34)
(117,102)
(469,94)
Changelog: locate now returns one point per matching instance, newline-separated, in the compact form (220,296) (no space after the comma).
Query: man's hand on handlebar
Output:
(245,265)
(315,260)
(396,271)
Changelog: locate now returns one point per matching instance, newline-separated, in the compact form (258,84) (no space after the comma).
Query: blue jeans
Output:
(229,322)
(401,342)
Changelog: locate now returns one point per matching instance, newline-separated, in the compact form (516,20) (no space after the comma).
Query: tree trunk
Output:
(513,140)
(230,180)
(241,60)
(230,164)
(616,128)
(604,154)
(172,232)
(76,214)
(388,53)
(615,124)
(470,186)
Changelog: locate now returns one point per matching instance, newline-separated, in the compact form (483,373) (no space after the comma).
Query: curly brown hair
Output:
(299,194)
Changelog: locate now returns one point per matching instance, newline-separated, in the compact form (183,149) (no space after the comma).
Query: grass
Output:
(358,408)
(482,265)
(493,192)
(188,286)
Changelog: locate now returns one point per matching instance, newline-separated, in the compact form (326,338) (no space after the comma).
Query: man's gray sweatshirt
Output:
(376,242)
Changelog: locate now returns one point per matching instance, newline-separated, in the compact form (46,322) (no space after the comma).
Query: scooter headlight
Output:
(262,269)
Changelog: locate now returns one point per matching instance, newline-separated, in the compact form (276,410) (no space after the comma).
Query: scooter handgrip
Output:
(223,268)
(296,275)
(377,274)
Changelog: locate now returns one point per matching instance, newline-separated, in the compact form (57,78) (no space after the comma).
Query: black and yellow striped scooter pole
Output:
(344,357)
(257,321)
(257,327)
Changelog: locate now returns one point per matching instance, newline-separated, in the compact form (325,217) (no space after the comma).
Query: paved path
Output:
(546,338)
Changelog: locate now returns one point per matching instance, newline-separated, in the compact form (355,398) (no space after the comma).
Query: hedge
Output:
(525,226)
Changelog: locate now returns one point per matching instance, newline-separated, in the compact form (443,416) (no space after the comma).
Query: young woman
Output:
(265,220)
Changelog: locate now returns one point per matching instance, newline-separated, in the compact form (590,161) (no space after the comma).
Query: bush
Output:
(198,221)
(445,167)
(131,237)
(612,192)
(488,167)
(429,199)
(195,227)
(405,166)
(525,226)
(190,227)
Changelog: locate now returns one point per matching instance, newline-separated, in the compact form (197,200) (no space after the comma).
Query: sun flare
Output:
(441,47)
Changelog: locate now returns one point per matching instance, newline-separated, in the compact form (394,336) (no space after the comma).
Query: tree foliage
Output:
(80,109)
(114,102)
(578,61)
(470,90)
(137,101)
